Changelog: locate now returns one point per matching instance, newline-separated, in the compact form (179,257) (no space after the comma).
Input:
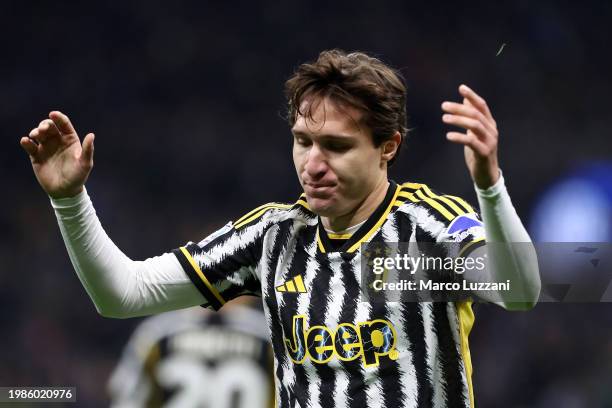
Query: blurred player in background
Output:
(347,116)
(197,358)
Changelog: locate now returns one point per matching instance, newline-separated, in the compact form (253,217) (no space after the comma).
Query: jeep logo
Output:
(369,340)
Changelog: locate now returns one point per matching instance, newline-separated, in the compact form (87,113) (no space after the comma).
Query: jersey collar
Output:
(368,228)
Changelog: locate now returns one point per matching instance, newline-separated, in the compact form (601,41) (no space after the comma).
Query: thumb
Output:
(88,149)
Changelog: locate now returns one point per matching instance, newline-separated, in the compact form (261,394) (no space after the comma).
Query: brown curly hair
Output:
(358,80)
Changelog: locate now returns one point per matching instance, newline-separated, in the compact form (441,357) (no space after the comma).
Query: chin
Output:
(322,207)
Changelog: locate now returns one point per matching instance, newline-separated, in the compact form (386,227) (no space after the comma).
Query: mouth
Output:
(319,190)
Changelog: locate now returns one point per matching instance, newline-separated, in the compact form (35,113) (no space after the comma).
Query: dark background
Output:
(186,103)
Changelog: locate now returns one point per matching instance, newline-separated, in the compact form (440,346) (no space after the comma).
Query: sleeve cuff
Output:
(70,202)
(494,191)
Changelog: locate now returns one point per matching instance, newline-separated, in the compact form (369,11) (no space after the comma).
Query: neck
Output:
(360,213)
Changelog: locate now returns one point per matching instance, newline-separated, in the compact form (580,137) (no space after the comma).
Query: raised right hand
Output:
(60,163)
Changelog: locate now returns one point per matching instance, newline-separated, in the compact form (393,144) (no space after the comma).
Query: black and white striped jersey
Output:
(196,358)
(331,348)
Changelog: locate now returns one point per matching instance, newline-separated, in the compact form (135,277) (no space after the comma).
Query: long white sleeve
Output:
(119,286)
(511,255)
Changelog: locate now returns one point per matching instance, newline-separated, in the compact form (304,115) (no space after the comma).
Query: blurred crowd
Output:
(186,101)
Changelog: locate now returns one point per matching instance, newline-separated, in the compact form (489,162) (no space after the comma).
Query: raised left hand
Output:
(480,140)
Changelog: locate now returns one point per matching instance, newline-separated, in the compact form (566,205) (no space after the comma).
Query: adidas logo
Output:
(295,285)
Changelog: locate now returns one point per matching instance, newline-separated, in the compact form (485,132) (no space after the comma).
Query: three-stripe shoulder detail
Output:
(258,212)
(448,206)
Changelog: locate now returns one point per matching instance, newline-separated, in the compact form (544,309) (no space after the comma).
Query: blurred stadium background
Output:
(186,103)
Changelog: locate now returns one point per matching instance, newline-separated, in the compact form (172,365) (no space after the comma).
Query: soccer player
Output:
(348,119)
(197,358)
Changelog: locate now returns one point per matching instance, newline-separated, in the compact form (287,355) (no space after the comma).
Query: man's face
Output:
(335,158)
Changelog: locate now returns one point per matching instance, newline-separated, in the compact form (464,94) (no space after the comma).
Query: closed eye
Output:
(338,147)
(301,140)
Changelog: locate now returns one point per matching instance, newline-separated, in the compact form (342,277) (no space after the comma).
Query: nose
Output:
(316,163)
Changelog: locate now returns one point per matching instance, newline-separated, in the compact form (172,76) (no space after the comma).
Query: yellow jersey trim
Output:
(408,195)
(450,203)
(247,215)
(424,193)
(302,201)
(260,213)
(331,235)
(435,204)
(416,186)
(466,322)
(376,226)
(197,269)
(469,244)
(468,208)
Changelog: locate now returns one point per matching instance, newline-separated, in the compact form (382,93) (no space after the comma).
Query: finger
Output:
(34,135)
(46,130)
(491,120)
(469,111)
(467,140)
(469,124)
(62,122)
(29,146)
(476,100)
(88,149)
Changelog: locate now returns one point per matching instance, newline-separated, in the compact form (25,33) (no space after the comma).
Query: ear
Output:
(390,146)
